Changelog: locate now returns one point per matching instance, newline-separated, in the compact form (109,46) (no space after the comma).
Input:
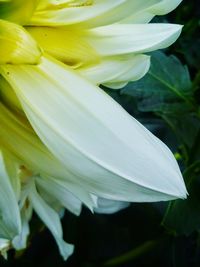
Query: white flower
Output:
(84,145)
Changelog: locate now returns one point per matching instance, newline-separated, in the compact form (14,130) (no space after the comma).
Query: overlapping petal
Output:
(19,11)
(10,224)
(117,70)
(71,14)
(18,138)
(120,39)
(146,13)
(17,46)
(64,141)
(65,45)
(80,123)
(51,220)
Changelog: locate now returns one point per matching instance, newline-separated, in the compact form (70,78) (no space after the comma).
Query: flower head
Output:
(63,140)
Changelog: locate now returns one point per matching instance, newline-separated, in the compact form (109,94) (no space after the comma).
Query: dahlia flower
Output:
(64,141)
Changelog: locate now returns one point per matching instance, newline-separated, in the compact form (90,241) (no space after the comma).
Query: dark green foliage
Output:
(166,88)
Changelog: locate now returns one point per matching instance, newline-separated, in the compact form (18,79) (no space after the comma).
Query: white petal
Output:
(126,38)
(146,13)
(61,194)
(107,206)
(10,224)
(20,241)
(21,141)
(12,165)
(113,155)
(4,247)
(132,11)
(117,69)
(116,85)
(72,15)
(99,13)
(4,243)
(51,220)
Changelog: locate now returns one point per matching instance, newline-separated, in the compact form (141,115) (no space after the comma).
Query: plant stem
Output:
(135,253)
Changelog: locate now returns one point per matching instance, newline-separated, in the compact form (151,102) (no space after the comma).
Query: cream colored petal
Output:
(72,15)
(117,70)
(126,38)
(18,11)
(10,224)
(64,44)
(147,13)
(113,155)
(107,206)
(12,165)
(8,96)
(20,241)
(4,247)
(61,194)
(89,14)
(51,220)
(16,45)
(20,140)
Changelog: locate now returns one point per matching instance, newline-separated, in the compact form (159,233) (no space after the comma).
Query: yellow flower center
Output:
(24,45)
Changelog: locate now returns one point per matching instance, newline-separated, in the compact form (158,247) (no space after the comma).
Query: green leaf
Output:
(166,88)
(185,127)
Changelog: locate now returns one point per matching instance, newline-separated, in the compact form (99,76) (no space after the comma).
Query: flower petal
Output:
(18,138)
(51,220)
(117,69)
(20,241)
(18,11)
(4,247)
(107,206)
(98,13)
(57,16)
(61,194)
(64,44)
(93,136)
(126,38)
(12,164)
(8,96)
(10,224)
(17,46)
(147,13)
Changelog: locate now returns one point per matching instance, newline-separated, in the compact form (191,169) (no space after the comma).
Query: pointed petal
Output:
(107,206)
(8,96)
(4,247)
(18,138)
(20,241)
(12,165)
(17,46)
(126,38)
(93,136)
(117,70)
(64,44)
(10,224)
(19,11)
(98,13)
(146,13)
(64,15)
(51,220)
(61,194)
